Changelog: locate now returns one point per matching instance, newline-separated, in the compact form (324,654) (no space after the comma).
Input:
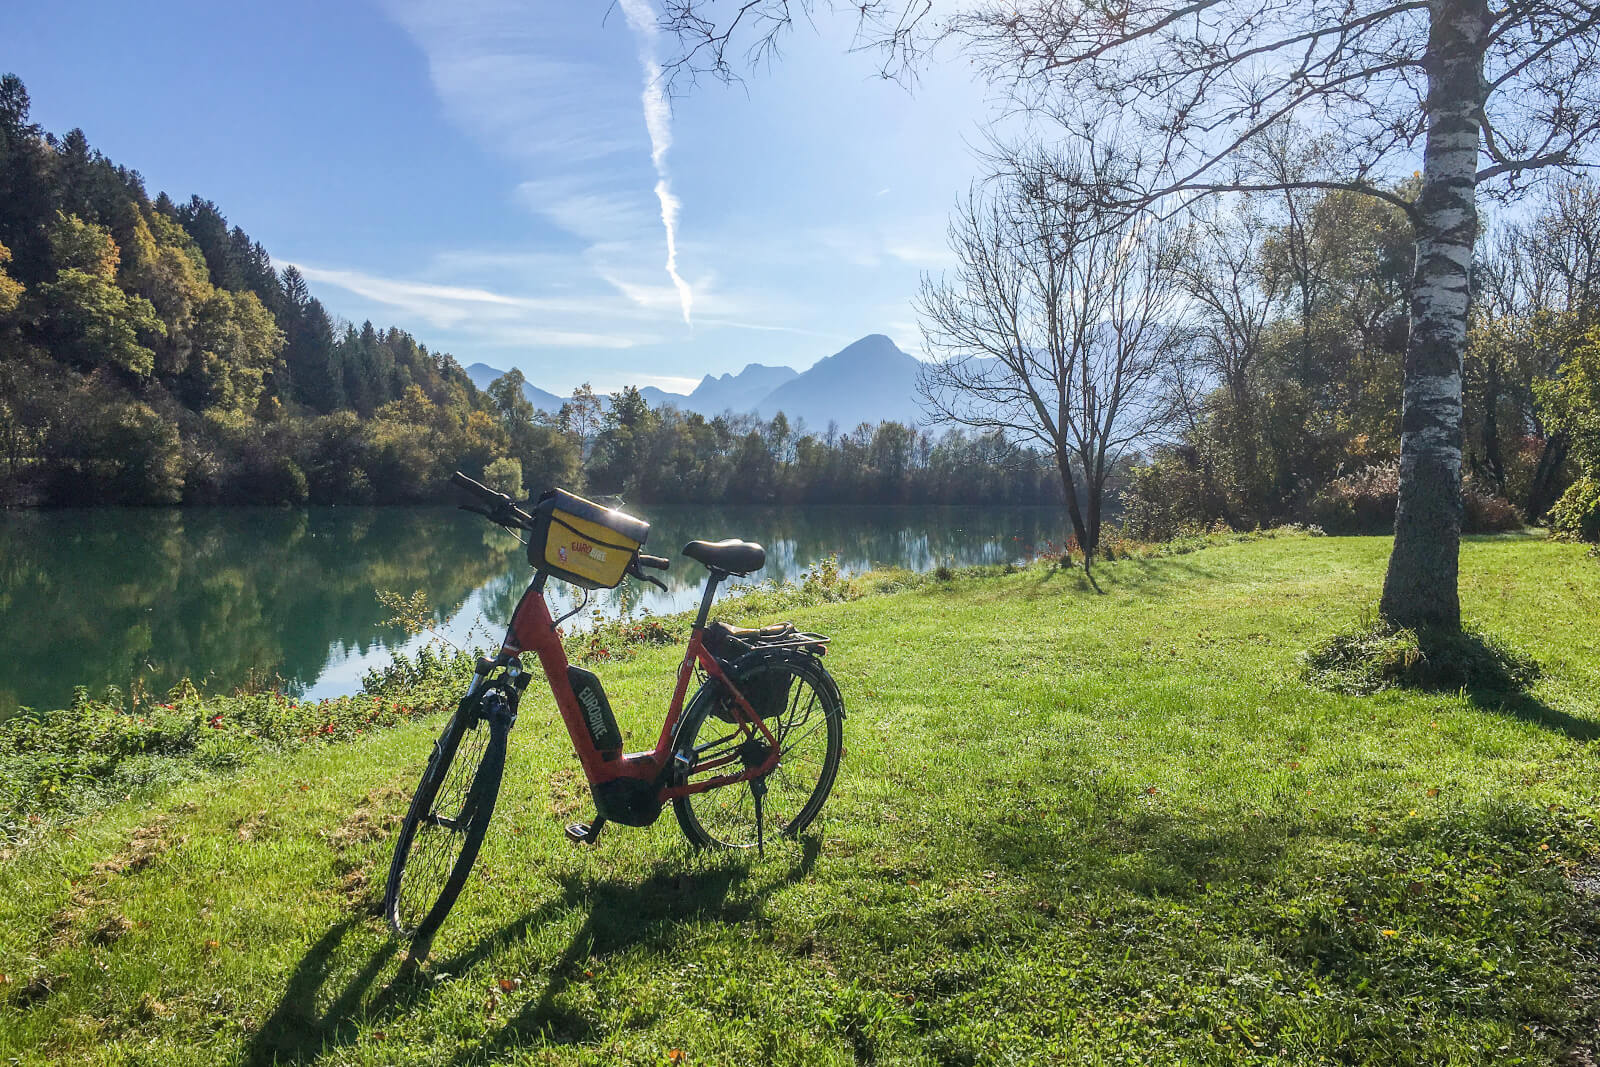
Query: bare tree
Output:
(1537,293)
(1232,292)
(1055,326)
(1490,96)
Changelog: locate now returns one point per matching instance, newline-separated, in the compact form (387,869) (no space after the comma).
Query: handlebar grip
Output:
(461,481)
(660,563)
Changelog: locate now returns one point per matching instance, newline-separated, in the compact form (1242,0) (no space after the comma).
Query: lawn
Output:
(1074,824)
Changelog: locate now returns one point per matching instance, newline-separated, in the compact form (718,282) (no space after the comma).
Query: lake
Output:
(110,596)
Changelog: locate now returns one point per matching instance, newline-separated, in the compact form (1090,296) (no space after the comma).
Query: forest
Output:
(1286,388)
(150,353)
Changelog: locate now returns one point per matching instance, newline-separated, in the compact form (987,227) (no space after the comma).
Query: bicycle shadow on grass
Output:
(622,915)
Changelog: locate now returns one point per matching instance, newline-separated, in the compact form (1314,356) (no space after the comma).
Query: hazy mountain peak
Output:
(868,380)
(738,392)
(482,374)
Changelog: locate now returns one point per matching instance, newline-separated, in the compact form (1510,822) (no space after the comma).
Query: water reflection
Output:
(112,596)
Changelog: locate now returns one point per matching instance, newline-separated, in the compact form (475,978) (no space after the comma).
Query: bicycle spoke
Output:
(800,729)
(441,831)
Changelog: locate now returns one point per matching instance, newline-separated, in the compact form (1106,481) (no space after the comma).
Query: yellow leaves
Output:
(676,1055)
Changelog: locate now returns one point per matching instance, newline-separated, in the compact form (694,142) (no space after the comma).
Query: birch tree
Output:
(1474,96)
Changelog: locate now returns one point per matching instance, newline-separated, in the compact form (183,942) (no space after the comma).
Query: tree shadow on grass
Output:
(1529,708)
(1249,879)
(1154,578)
(1139,853)
(622,915)
(1374,656)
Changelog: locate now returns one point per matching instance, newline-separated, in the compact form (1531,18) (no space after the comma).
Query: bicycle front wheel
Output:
(449,814)
(801,706)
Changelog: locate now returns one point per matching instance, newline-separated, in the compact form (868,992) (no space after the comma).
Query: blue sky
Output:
(484,173)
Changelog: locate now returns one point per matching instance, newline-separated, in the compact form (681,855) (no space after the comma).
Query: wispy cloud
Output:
(490,317)
(443,305)
(658,121)
(798,331)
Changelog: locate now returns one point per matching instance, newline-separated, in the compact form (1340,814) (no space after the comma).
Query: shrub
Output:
(70,761)
(1484,512)
(1364,503)
(505,475)
(1165,497)
(1577,514)
(621,639)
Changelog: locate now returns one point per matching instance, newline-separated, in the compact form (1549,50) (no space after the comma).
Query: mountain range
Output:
(869,380)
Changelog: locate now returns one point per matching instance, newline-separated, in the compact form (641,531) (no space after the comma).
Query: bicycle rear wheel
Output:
(809,728)
(449,814)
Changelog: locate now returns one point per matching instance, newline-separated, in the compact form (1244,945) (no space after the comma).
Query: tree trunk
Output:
(1542,487)
(1492,454)
(1074,513)
(1420,587)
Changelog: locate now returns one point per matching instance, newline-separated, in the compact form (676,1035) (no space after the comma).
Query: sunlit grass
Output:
(1072,825)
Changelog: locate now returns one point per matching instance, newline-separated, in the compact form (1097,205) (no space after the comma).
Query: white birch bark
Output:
(1419,589)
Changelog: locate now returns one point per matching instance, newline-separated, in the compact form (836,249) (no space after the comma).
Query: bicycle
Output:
(764,729)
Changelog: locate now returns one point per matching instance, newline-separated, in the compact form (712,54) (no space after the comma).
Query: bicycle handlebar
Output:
(642,560)
(483,492)
(497,507)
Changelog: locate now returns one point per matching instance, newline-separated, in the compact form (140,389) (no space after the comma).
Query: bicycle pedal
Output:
(585,833)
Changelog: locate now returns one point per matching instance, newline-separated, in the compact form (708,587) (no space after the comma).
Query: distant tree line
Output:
(150,353)
(664,455)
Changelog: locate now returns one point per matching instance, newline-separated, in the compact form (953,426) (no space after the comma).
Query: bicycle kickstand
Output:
(758,789)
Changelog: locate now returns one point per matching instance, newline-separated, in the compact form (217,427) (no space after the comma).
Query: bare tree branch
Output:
(1057,325)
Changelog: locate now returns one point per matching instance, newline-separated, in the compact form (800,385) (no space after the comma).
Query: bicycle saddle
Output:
(731,556)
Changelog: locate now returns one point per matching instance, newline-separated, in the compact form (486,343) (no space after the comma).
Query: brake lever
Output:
(635,572)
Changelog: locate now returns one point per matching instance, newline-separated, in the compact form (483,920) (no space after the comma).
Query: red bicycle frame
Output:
(533,629)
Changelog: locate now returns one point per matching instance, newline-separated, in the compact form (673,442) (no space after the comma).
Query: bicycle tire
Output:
(452,841)
(725,817)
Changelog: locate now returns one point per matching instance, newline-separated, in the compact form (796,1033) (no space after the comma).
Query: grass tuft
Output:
(1374,656)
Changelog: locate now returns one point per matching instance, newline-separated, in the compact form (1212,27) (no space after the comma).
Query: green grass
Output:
(1071,826)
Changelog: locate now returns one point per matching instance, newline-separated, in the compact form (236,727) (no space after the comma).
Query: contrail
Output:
(658,120)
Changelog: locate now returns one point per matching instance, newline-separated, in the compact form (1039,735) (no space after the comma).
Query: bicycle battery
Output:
(597,714)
